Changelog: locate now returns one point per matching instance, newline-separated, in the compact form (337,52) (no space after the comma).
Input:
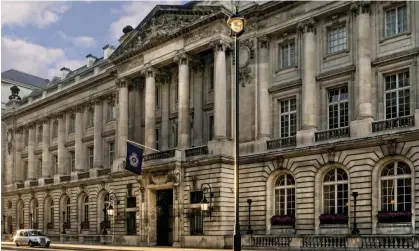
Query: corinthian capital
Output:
(361,7)
(122,82)
(182,58)
(149,71)
(307,26)
(263,41)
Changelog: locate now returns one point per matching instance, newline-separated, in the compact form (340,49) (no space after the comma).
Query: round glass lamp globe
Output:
(236,24)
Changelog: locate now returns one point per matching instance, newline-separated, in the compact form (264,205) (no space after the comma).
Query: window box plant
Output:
(333,219)
(393,217)
(84,225)
(282,220)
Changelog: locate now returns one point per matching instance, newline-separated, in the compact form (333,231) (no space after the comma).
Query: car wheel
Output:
(47,245)
(30,244)
(17,245)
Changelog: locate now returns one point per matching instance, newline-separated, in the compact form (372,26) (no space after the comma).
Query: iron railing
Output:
(337,133)
(160,155)
(83,175)
(282,142)
(389,124)
(48,181)
(103,172)
(65,178)
(201,150)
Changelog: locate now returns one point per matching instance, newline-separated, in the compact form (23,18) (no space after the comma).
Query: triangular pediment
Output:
(165,22)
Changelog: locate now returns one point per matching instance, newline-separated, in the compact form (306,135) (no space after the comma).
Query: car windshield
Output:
(36,233)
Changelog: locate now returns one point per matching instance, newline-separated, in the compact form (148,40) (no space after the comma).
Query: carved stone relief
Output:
(206,32)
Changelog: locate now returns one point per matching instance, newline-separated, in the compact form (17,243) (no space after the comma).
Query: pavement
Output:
(5,245)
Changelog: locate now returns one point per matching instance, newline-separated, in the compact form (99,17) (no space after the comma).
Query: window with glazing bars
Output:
(72,124)
(338,107)
(395,21)
(72,161)
(196,222)
(285,195)
(111,153)
(336,39)
(111,111)
(288,55)
(91,155)
(335,192)
(397,95)
(396,187)
(288,118)
(86,209)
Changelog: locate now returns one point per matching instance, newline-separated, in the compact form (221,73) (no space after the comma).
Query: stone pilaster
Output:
(309,104)
(18,139)
(97,133)
(263,75)
(197,125)
(165,103)
(150,111)
(78,144)
(61,147)
(183,61)
(46,159)
(123,117)
(361,127)
(137,88)
(32,174)
(220,91)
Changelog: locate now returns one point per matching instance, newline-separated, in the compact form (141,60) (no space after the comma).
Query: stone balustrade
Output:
(282,143)
(337,133)
(196,151)
(160,155)
(390,124)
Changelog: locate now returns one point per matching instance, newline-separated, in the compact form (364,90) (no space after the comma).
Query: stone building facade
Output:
(329,105)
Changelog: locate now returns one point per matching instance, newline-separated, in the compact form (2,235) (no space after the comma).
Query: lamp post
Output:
(249,226)
(205,206)
(355,229)
(63,232)
(236,23)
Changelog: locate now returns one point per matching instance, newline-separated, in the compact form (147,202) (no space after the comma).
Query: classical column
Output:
(183,105)
(32,174)
(309,104)
(123,117)
(263,75)
(220,91)
(197,125)
(165,102)
(78,144)
(18,156)
(61,148)
(97,133)
(46,167)
(150,110)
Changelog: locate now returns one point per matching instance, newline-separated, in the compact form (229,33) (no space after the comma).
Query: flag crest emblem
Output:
(133,160)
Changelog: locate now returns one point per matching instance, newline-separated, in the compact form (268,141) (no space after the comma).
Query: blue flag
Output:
(134,159)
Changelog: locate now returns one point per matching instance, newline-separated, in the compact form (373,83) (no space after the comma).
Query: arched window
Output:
(106,205)
(51,212)
(396,187)
(285,195)
(34,210)
(68,211)
(86,209)
(335,192)
(19,215)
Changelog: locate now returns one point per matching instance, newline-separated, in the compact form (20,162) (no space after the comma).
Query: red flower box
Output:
(393,217)
(333,219)
(282,220)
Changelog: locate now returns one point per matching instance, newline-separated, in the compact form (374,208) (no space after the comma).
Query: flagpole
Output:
(135,143)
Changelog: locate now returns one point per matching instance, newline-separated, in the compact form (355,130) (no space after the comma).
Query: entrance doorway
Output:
(164,205)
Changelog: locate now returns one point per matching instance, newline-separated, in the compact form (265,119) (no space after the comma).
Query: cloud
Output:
(35,59)
(80,41)
(39,14)
(132,14)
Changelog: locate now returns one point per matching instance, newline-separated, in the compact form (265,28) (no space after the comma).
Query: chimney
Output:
(90,60)
(64,72)
(108,50)
(127,30)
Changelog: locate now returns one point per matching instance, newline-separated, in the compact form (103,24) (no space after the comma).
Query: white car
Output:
(31,237)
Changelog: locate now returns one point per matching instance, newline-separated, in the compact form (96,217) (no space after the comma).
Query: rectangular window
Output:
(157,96)
(91,116)
(131,226)
(197,222)
(157,139)
(86,212)
(288,55)
(111,111)
(26,138)
(40,165)
(397,95)
(40,134)
(25,170)
(396,21)
(72,161)
(175,135)
(288,118)
(55,163)
(176,92)
(336,39)
(338,107)
(55,129)
(196,197)
(111,146)
(91,154)
(72,124)
(211,73)
(211,128)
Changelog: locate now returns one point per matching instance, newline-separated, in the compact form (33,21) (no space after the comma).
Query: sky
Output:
(42,37)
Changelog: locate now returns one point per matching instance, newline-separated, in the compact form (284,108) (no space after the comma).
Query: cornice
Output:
(53,148)
(69,143)
(395,56)
(87,138)
(336,72)
(284,86)
(108,133)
